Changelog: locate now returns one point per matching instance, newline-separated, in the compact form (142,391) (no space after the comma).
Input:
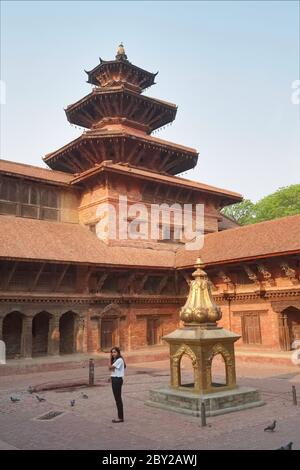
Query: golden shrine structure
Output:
(201,339)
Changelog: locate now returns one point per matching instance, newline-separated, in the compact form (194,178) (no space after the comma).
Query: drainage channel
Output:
(50,416)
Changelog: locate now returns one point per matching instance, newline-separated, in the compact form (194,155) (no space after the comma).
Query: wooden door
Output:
(251,328)
(284,333)
(107,331)
(152,331)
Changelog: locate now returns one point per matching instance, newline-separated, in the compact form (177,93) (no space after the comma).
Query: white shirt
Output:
(119,368)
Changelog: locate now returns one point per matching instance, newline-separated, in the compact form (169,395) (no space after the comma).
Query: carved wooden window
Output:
(242,277)
(251,332)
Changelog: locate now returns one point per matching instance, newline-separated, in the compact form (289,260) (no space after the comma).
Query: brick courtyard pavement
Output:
(88,424)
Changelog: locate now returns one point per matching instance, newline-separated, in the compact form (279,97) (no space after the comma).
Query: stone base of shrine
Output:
(217,403)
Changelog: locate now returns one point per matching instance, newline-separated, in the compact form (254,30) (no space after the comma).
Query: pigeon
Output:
(287,447)
(14,399)
(271,427)
(40,398)
(72,402)
(84,395)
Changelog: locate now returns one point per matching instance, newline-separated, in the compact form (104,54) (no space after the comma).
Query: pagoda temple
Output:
(120,121)
(64,289)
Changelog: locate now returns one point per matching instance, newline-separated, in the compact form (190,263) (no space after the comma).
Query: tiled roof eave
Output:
(241,259)
(153,266)
(36,178)
(31,172)
(164,179)
(85,263)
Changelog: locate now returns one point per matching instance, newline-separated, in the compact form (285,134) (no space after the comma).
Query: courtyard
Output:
(88,425)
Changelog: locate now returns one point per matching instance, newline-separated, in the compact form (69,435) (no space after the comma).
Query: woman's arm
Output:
(115,365)
(110,365)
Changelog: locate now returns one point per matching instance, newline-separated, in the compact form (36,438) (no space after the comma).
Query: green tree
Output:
(240,212)
(285,201)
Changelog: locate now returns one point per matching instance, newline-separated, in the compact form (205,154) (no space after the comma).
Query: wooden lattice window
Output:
(8,196)
(49,204)
(28,200)
(8,190)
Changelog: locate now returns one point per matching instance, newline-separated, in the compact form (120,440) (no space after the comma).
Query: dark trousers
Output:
(116,383)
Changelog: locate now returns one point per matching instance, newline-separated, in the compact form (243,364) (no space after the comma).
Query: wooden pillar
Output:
(1,328)
(117,331)
(26,337)
(79,335)
(284,334)
(53,336)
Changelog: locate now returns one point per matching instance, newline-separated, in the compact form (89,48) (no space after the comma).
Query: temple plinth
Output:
(201,340)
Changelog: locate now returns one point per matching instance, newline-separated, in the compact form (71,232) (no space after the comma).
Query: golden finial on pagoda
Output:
(200,307)
(121,55)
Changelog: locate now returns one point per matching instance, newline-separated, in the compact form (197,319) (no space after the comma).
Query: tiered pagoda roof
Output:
(120,121)
(121,143)
(120,104)
(115,72)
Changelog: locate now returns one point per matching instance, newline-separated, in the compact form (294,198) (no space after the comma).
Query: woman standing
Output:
(117,366)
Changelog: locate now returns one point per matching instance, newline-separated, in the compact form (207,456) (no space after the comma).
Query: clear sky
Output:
(229,66)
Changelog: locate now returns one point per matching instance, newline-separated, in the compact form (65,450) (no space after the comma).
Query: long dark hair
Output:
(112,359)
